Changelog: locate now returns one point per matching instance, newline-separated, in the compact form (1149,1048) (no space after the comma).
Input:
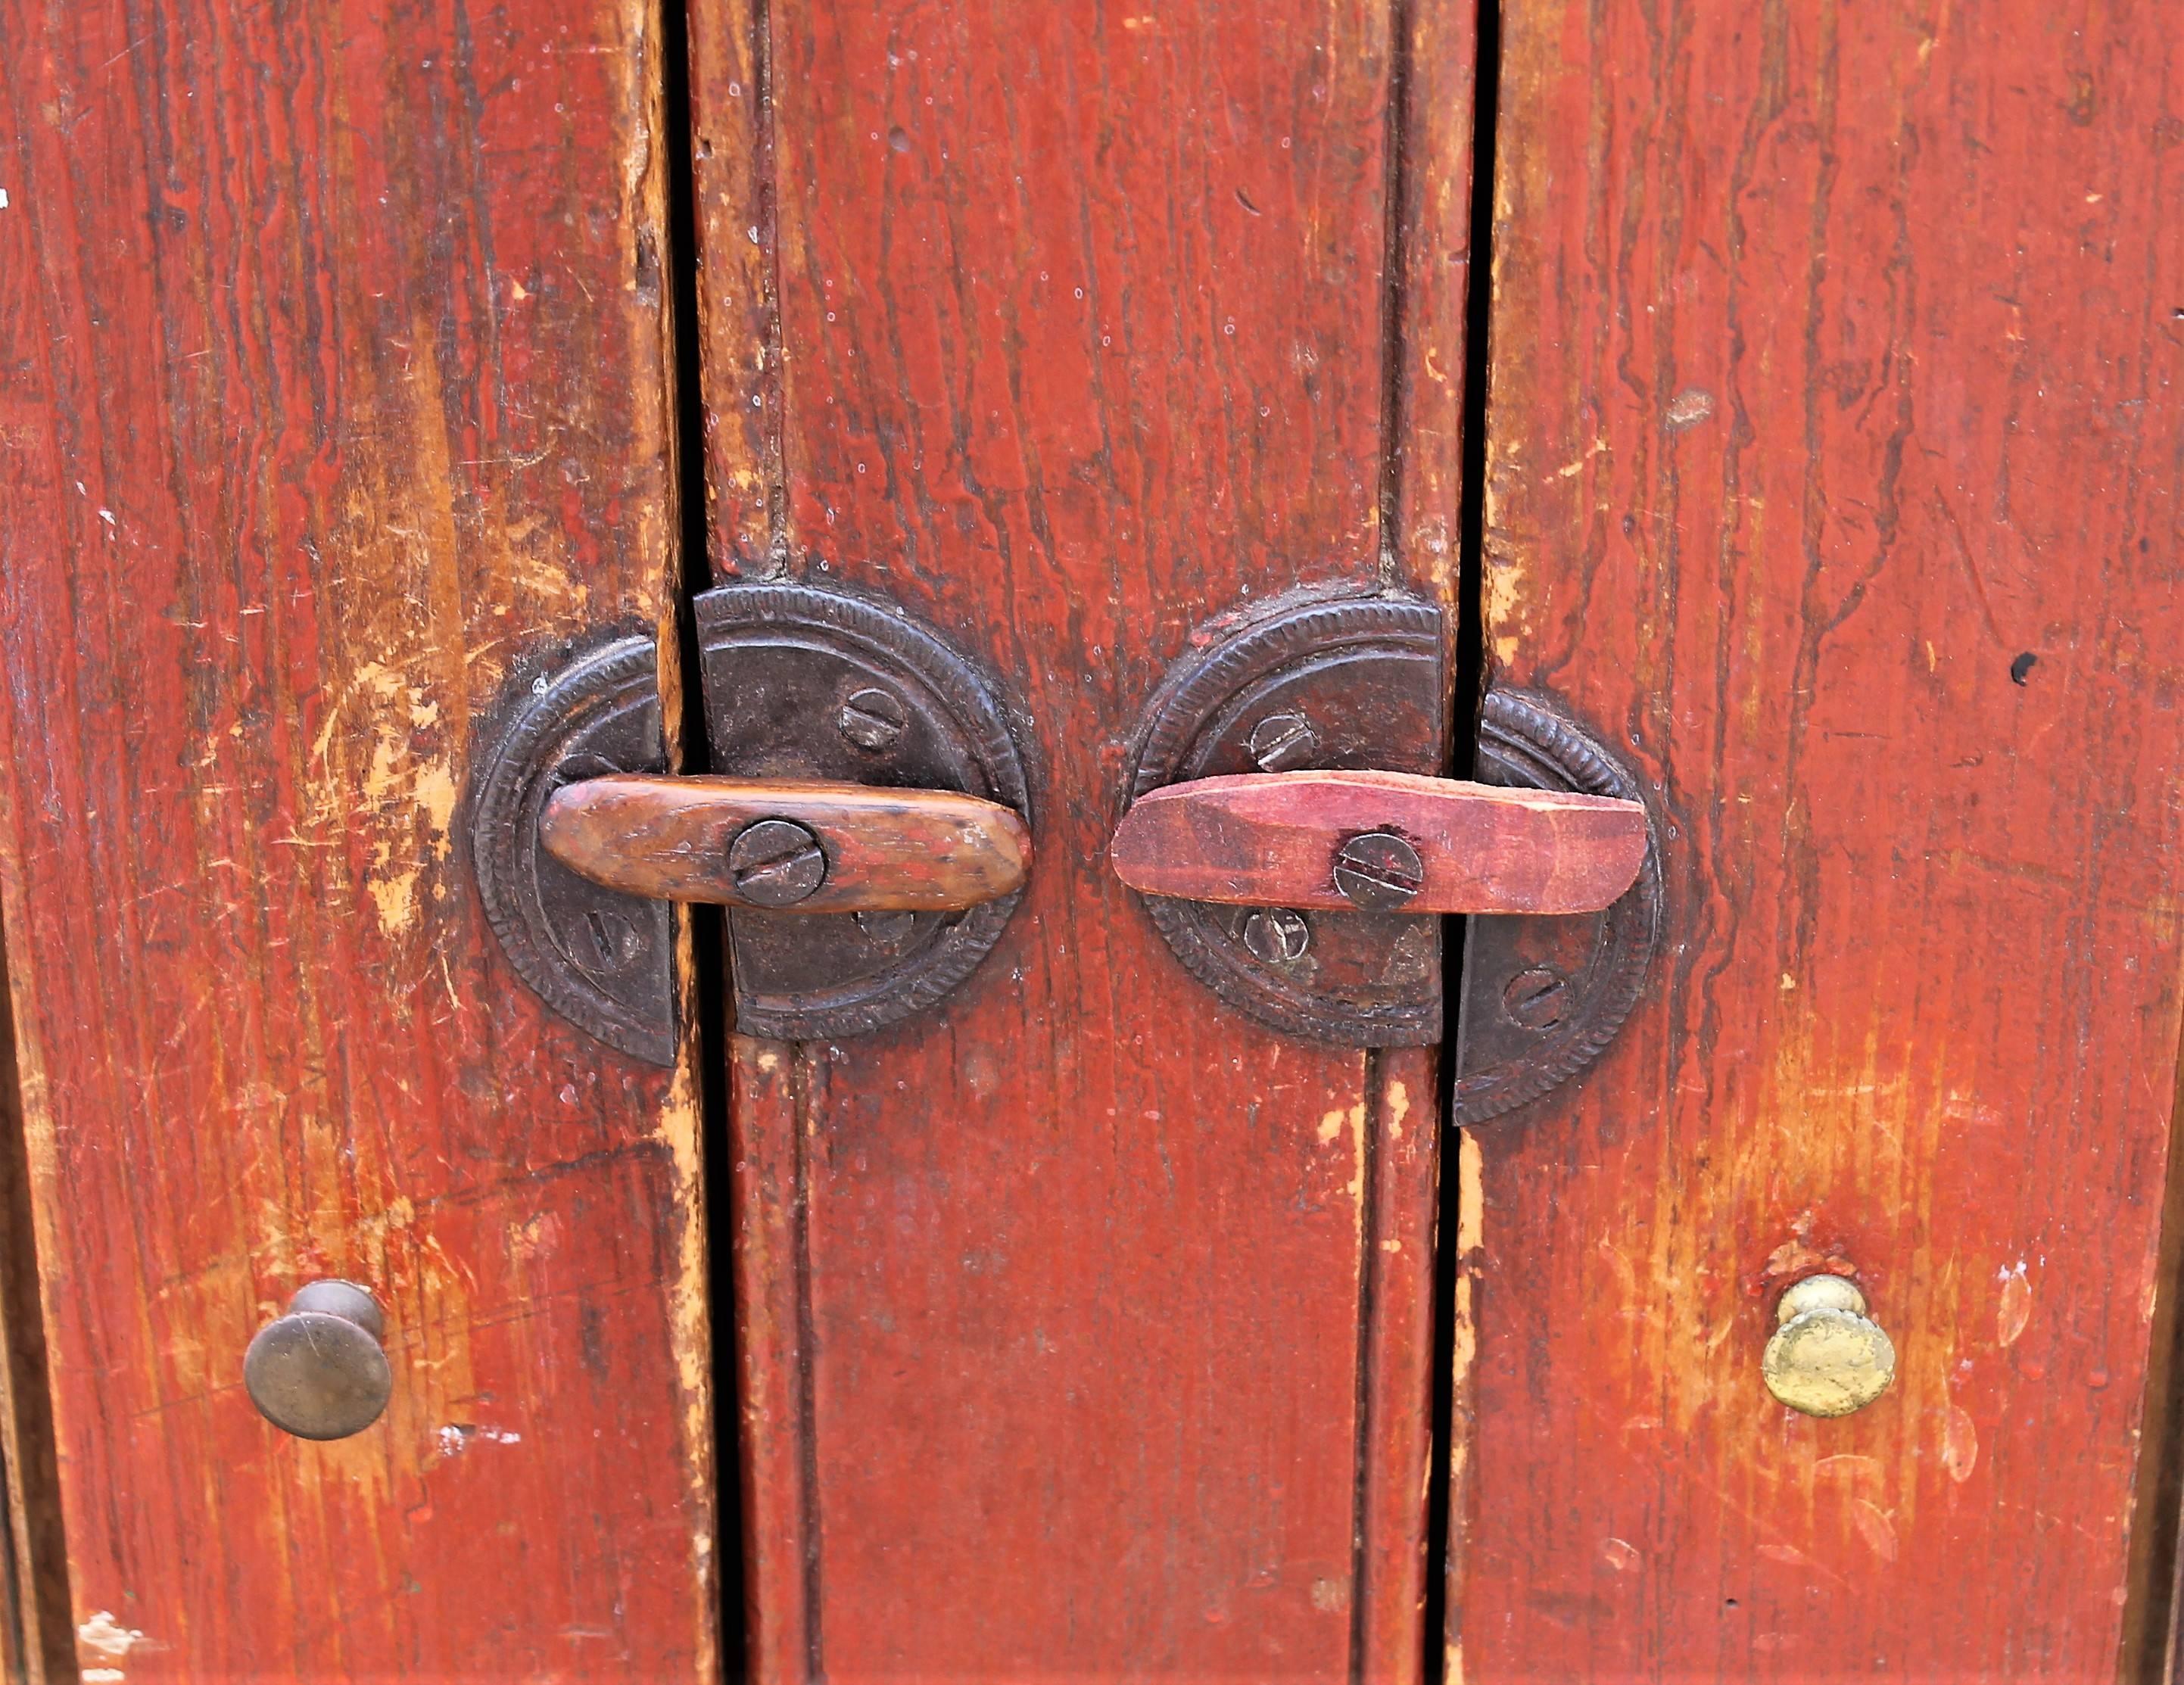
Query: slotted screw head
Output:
(889,929)
(1283,741)
(1275,935)
(1536,997)
(1379,871)
(775,863)
(872,719)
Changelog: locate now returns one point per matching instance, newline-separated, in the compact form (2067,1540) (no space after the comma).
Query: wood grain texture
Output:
(922,850)
(1081,1321)
(1274,839)
(1836,464)
(333,340)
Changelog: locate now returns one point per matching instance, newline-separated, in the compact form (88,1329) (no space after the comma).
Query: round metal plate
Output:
(801,683)
(1347,685)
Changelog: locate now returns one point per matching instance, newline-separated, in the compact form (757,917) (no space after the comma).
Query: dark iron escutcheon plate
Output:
(1543,996)
(1347,685)
(802,682)
(603,959)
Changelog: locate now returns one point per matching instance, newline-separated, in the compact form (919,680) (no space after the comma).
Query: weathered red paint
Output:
(1083,1321)
(1836,465)
(334,349)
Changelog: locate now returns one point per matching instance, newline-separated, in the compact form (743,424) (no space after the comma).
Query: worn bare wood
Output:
(335,385)
(36,1639)
(1274,839)
(1836,464)
(910,850)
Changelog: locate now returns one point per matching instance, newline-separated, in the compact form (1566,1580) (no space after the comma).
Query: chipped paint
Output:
(455,1438)
(2014,1307)
(107,1639)
(1959,1444)
(689,1294)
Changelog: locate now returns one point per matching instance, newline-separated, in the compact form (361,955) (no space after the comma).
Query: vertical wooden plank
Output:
(1835,468)
(1082,1318)
(335,387)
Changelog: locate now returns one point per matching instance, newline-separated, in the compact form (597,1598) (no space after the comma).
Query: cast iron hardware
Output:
(1355,685)
(318,1372)
(802,683)
(1286,832)
(1544,996)
(601,958)
(863,825)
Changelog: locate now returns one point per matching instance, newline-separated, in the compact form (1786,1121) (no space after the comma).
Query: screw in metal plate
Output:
(1536,997)
(1281,741)
(1379,871)
(775,863)
(889,929)
(1276,935)
(872,719)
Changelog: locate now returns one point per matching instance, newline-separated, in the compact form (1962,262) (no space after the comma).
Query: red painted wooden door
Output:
(1082,1325)
(1082,1321)
(335,350)
(1834,458)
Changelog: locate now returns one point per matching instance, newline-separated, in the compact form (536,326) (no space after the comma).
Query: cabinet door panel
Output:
(1834,456)
(334,353)
(1083,1319)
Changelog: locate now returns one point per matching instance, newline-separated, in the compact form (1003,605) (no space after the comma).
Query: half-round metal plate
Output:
(802,682)
(1346,685)
(1543,996)
(601,958)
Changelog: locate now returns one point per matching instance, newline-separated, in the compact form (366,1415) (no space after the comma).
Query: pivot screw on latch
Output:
(775,863)
(1379,871)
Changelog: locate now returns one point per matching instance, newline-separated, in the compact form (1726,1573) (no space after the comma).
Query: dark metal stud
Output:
(1276,935)
(1536,997)
(873,719)
(1282,742)
(889,930)
(318,1372)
